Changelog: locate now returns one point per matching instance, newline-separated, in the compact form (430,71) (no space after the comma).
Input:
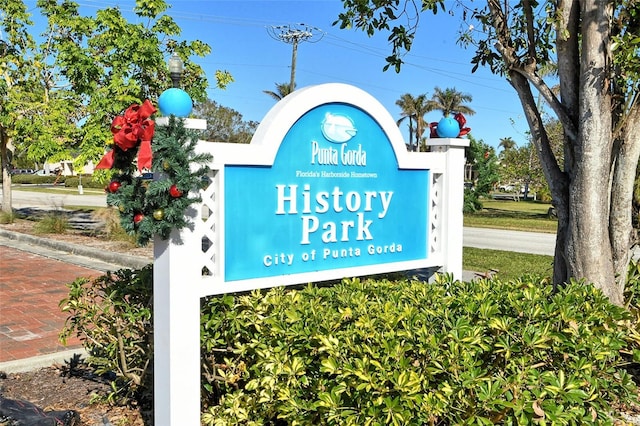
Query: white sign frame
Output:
(179,282)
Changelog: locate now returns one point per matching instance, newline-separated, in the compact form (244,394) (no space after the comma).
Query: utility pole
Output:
(294,34)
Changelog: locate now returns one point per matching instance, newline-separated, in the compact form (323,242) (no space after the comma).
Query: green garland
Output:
(156,204)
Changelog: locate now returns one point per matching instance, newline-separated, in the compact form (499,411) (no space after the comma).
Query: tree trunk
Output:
(410,134)
(622,234)
(593,193)
(589,249)
(558,182)
(5,160)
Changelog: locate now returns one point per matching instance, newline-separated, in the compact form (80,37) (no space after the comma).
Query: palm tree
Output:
(414,109)
(507,143)
(405,103)
(282,90)
(450,101)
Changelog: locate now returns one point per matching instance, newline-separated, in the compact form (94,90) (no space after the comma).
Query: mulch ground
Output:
(62,388)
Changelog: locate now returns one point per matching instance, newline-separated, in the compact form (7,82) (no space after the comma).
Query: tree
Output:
(450,101)
(522,164)
(414,109)
(636,201)
(42,112)
(483,159)
(405,114)
(15,77)
(484,165)
(224,124)
(520,167)
(507,144)
(282,90)
(86,70)
(595,46)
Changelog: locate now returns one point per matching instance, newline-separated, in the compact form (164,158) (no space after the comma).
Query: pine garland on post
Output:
(157,205)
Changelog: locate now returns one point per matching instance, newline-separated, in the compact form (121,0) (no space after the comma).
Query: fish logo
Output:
(338,128)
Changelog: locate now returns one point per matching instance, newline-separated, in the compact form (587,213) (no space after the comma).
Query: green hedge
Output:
(87,182)
(379,352)
(67,181)
(35,179)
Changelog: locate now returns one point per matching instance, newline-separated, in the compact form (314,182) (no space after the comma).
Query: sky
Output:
(239,34)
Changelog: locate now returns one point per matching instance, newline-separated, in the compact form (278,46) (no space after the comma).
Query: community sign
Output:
(323,187)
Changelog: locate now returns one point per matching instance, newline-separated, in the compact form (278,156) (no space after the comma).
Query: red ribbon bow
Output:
(130,130)
(461,121)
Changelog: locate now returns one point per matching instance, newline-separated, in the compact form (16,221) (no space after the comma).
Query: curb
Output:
(131,262)
(41,361)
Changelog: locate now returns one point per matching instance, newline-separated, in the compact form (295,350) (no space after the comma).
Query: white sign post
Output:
(325,190)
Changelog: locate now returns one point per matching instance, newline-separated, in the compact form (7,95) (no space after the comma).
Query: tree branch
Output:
(549,163)
(513,64)
(531,39)
(625,161)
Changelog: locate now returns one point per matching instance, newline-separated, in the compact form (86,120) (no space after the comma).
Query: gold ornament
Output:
(158,214)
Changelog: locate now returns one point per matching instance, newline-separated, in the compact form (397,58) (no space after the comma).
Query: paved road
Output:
(518,241)
(22,199)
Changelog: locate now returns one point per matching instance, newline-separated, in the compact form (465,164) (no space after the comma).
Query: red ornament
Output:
(137,218)
(114,186)
(433,133)
(175,192)
(461,121)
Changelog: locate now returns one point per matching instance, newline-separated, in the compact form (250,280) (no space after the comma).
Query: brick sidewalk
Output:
(31,286)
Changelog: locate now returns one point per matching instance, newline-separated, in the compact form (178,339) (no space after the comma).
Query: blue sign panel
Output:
(334,198)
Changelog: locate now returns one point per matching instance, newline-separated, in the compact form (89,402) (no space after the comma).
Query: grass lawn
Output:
(517,216)
(510,265)
(514,215)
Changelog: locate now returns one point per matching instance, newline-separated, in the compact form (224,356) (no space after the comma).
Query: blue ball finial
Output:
(448,128)
(175,101)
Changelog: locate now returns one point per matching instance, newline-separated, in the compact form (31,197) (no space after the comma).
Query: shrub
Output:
(632,298)
(380,352)
(471,202)
(6,218)
(35,179)
(410,353)
(544,194)
(112,227)
(632,287)
(52,223)
(87,182)
(112,316)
